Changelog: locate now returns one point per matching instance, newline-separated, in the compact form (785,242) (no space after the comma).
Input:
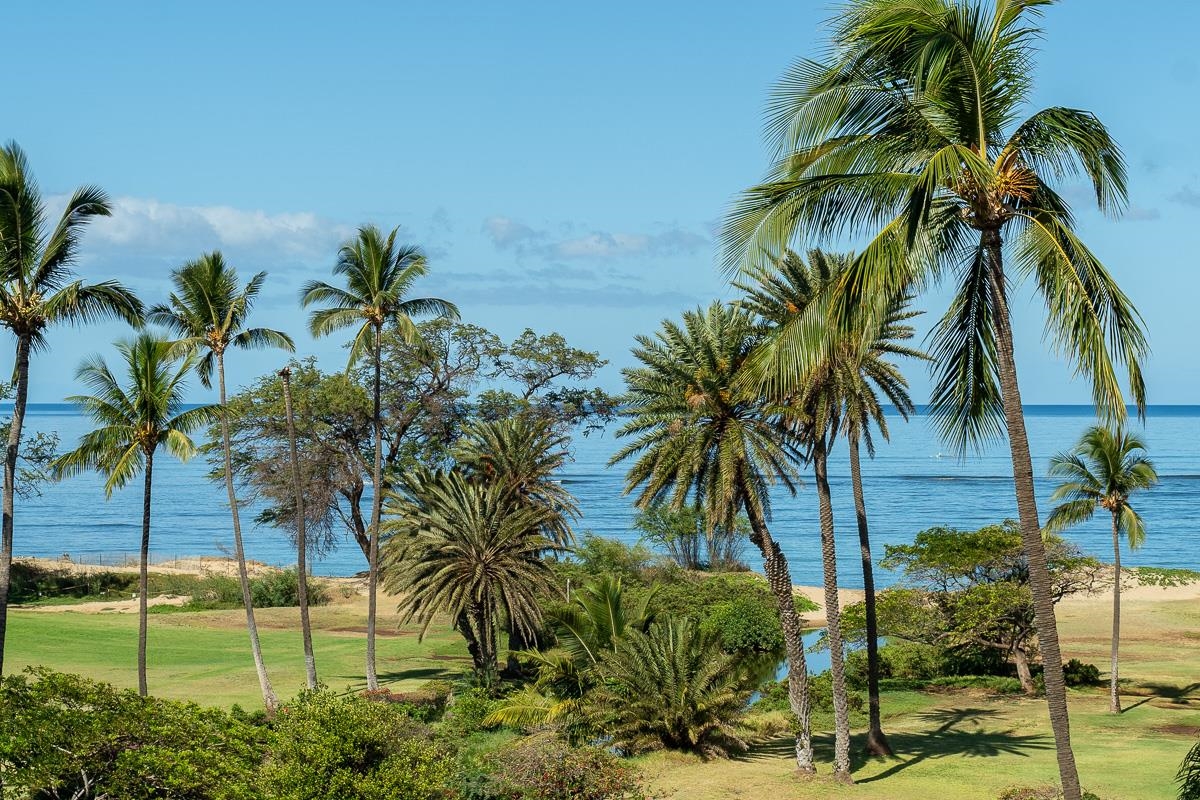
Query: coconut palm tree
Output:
(208,311)
(379,274)
(37,292)
(909,134)
(1107,466)
(787,294)
(699,437)
(134,420)
(310,661)
(469,551)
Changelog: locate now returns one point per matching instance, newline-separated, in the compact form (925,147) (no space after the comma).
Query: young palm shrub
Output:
(208,311)
(471,552)
(37,292)
(133,422)
(379,275)
(699,436)
(1105,468)
(671,687)
(786,297)
(911,132)
(1188,777)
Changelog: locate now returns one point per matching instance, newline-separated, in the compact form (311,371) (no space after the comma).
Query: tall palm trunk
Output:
(264,682)
(779,578)
(1114,698)
(1031,529)
(143,574)
(877,743)
(833,619)
(310,662)
(376,513)
(20,394)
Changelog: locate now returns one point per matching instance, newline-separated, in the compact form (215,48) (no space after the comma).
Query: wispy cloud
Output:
(1187,196)
(509,234)
(1141,214)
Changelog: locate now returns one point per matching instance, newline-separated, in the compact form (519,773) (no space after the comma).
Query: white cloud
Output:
(509,234)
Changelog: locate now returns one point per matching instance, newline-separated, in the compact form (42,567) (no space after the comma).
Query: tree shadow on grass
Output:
(956,732)
(416,673)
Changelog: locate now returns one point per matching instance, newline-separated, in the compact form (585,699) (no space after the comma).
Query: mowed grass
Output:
(205,656)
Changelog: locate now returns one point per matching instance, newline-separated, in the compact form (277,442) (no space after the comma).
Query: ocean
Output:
(912,484)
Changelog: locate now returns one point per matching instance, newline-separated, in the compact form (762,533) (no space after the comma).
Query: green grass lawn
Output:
(205,656)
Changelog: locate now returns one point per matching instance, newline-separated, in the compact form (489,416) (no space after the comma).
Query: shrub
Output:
(326,747)
(32,582)
(1043,792)
(903,661)
(745,624)
(66,736)
(465,714)
(281,589)
(598,555)
(680,593)
(425,704)
(774,696)
(546,768)
(1078,673)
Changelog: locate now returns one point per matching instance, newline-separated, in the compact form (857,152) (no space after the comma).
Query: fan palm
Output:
(1105,468)
(784,296)
(471,552)
(37,292)
(379,273)
(699,436)
(133,422)
(909,134)
(208,311)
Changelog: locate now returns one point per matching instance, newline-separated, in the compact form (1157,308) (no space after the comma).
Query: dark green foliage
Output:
(594,556)
(1164,576)
(745,624)
(684,594)
(1077,673)
(1044,792)
(33,582)
(425,704)
(65,736)
(774,696)
(1189,775)
(465,714)
(280,590)
(326,747)
(690,541)
(546,768)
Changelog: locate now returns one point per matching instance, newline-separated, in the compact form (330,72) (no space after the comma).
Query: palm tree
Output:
(1105,468)
(379,274)
(699,436)
(208,311)
(471,552)
(909,134)
(133,421)
(784,296)
(310,661)
(37,292)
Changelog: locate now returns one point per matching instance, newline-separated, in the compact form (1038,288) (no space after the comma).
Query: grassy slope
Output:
(953,745)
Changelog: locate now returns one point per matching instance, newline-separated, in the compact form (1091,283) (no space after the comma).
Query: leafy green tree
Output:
(133,422)
(689,540)
(790,295)
(469,551)
(673,687)
(698,434)
(208,310)
(35,454)
(973,588)
(379,275)
(911,133)
(38,292)
(301,524)
(1105,468)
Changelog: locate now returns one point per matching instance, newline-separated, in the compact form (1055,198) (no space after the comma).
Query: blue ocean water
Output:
(912,484)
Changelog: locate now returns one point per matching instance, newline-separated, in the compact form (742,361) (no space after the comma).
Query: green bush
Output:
(465,713)
(596,555)
(282,590)
(33,582)
(746,625)
(425,704)
(1078,673)
(66,736)
(546,768)
(903,661)
(1043,792)
(774,696)
(326,747)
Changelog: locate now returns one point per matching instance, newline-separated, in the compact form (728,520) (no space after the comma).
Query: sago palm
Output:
(39,291)
(208,310)
(699,437)
(784,297)
(379,274)
(134,419)
(911,132)
(471,552)
(1105,468)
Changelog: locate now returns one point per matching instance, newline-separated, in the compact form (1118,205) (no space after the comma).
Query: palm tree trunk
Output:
(20,395)
(1031,529)
(1114,702)
(833,620)
(310,661)
(264,681)
(376,514)
(143,575)
(779,578)
(877,743)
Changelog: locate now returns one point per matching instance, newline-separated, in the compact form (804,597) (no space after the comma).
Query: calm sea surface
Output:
(911,485)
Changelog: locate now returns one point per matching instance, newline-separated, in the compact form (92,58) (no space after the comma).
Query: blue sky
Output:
(564,165)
